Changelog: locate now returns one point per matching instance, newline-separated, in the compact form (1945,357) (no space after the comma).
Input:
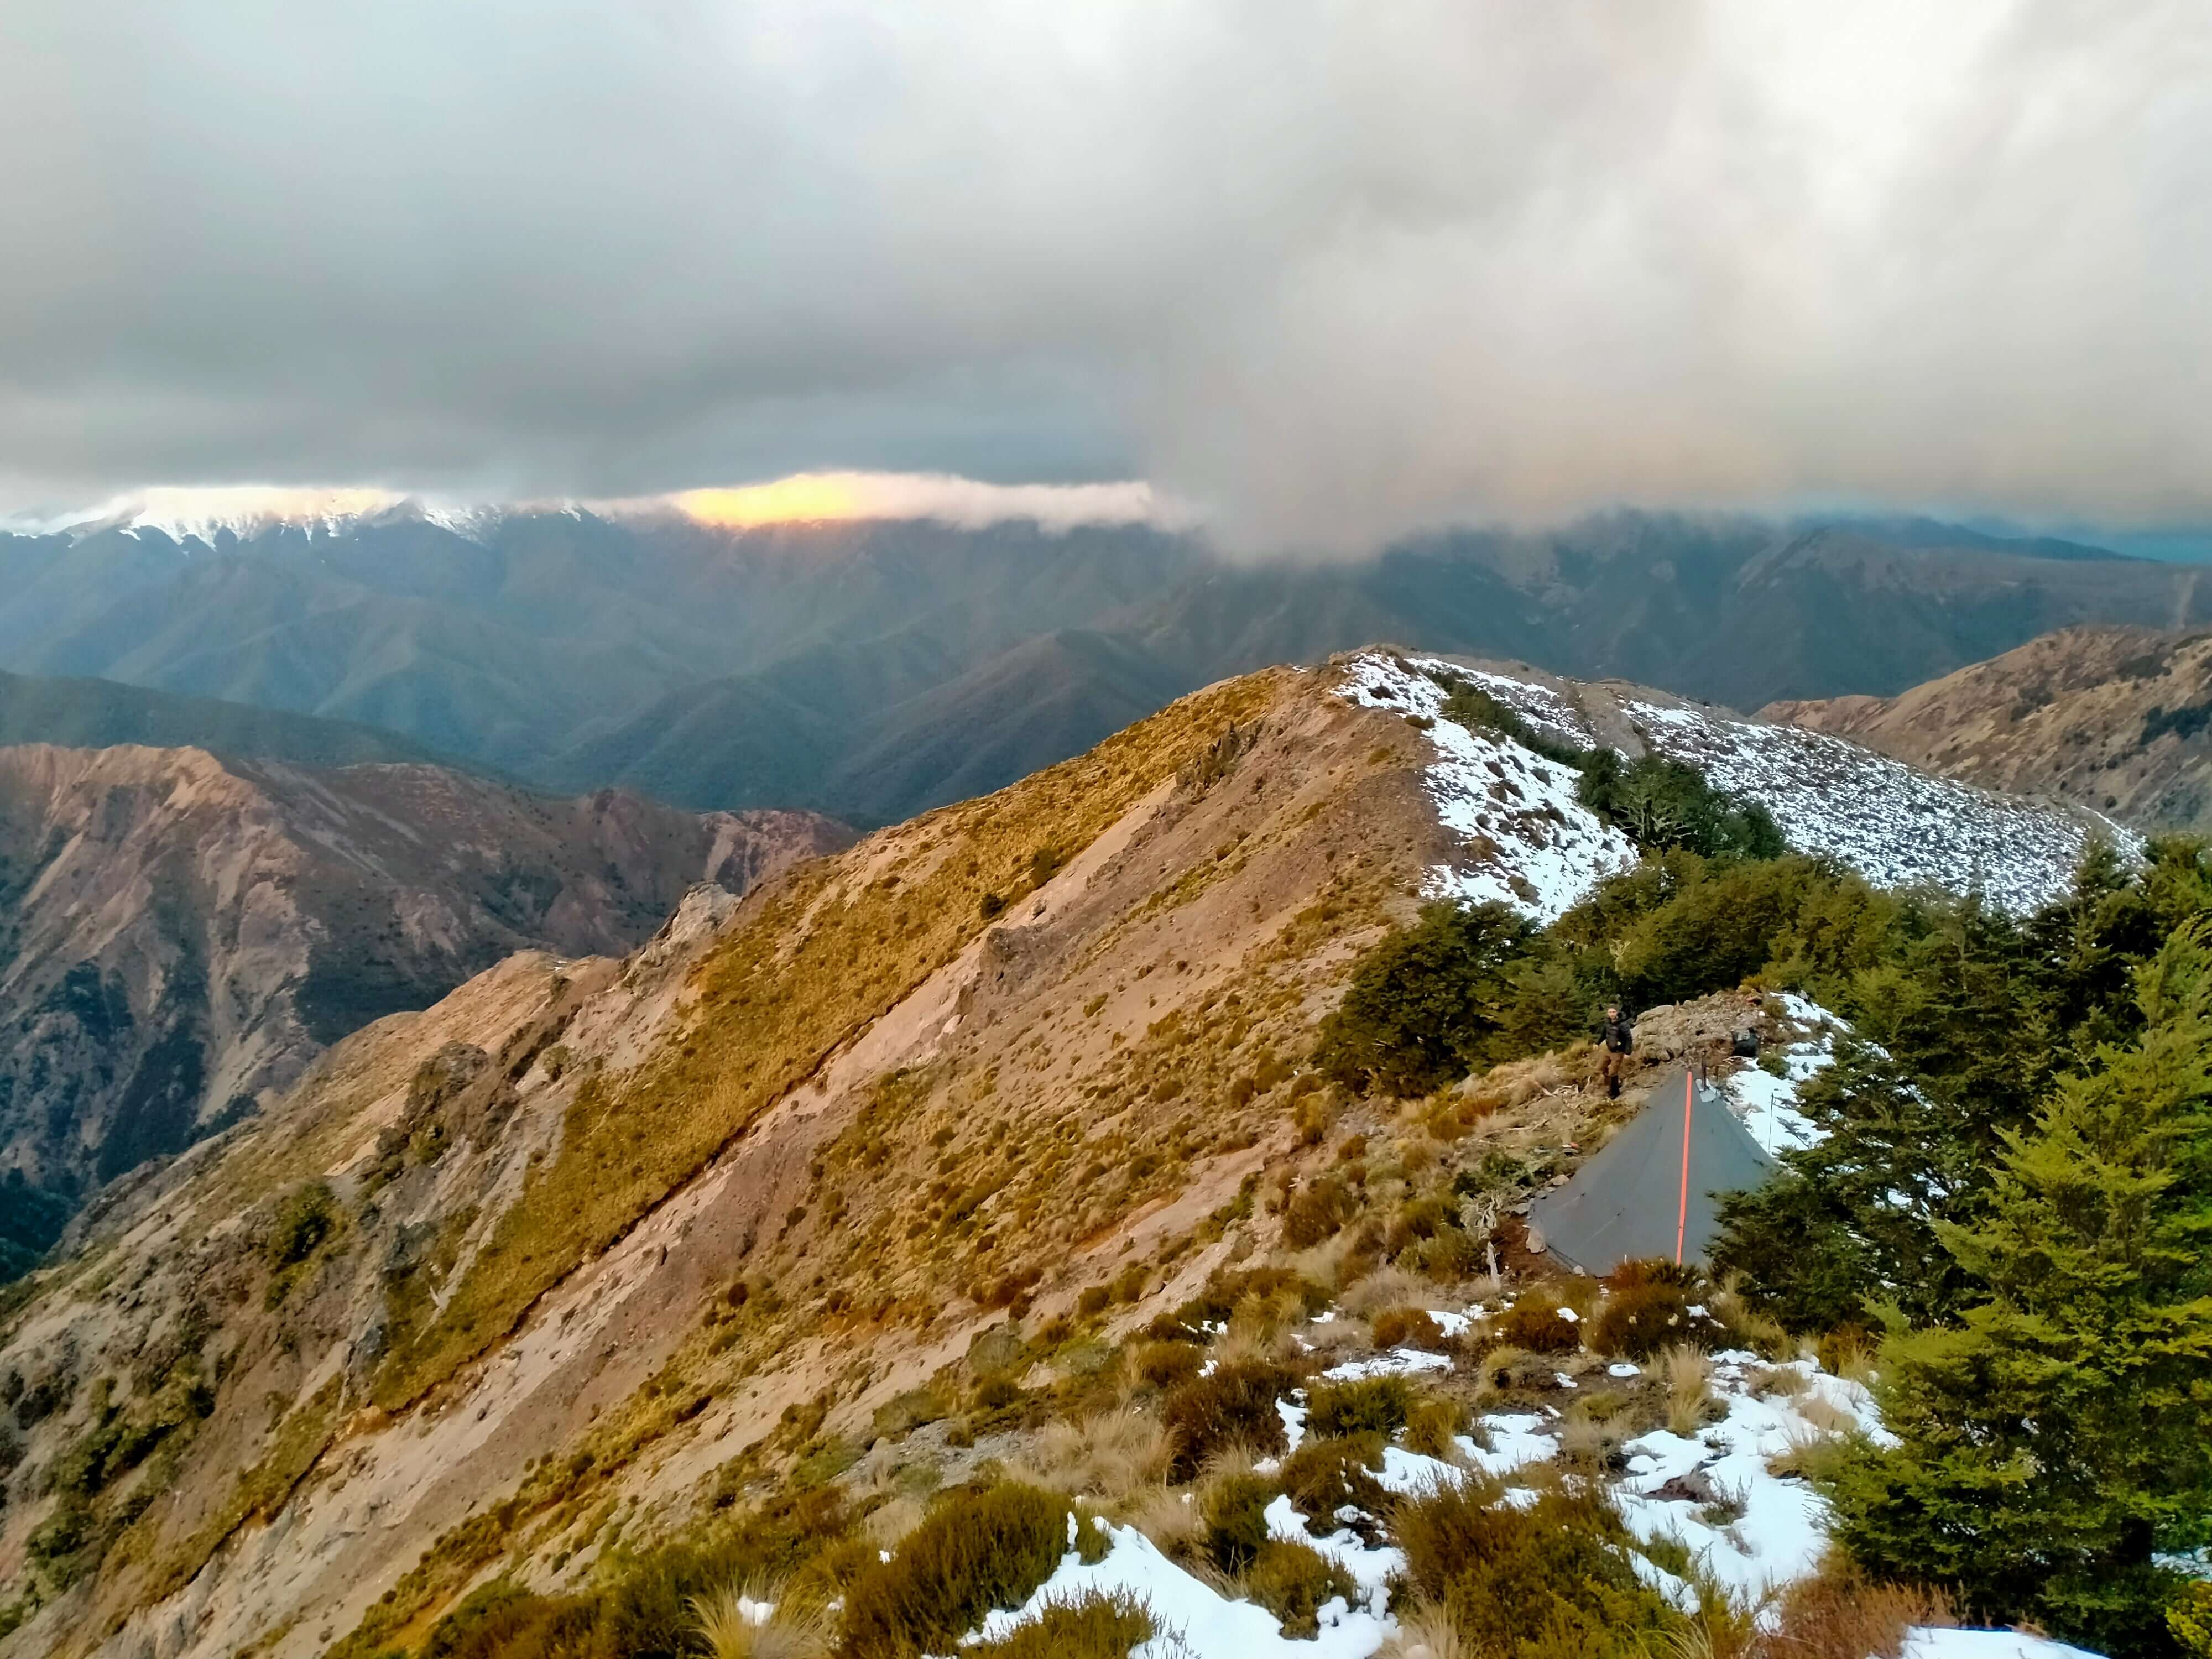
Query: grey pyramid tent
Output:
(1653,1189)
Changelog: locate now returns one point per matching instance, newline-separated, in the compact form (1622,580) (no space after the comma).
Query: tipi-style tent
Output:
(1653,1189)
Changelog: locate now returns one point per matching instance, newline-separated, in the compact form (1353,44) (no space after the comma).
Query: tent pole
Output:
(1682,1213)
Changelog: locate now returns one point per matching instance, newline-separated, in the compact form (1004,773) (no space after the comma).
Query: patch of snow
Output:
(1622,1368)
(1399,1362)
(1984,1644)
(1896,826)
(1194,1620)
(1515,1441)
(1452,1324)
(1530,843)
(1772,1530)
(1767,1103)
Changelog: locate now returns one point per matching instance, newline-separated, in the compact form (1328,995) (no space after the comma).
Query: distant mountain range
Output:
(872,669)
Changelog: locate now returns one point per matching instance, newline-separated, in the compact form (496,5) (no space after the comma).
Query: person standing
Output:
(1615,1042)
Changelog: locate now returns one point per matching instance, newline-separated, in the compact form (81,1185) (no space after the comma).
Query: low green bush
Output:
(1548,1579)
(974,1552)
(1373,1405)
(1233,1406)
(1294,1582)
(1234,1508)
(1091,1626)
(1648,1306)
(1167,1364)
(1537,1326)
(1323,1475)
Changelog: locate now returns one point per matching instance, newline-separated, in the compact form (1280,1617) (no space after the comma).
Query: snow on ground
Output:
(1712,1494)
(1751,1531)
(1985,1645)
(1896,826)
(1196,1622)
(1399,1362)
(1768,1103)
(1531,844)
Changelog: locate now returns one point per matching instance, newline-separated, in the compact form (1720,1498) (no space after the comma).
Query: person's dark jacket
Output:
(1618,1035)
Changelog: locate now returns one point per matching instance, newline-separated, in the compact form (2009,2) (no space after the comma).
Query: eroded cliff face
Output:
(180,935)
(2118,720)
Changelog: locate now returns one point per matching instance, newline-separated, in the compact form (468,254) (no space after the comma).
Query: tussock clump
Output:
(977,1551)
(1235,1406)
(1091,1626)
(1548,1579)
(1318,1211)
(1432,1426)
(1373,1405)
(1688,1377)
(1840,1613)
(1109,1455)
(732,1625)
(1206,1313)
(1294,1582)
(1384,1289)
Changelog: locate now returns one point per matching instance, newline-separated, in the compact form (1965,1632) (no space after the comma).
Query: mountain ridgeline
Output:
(1040,1149)
(871,671)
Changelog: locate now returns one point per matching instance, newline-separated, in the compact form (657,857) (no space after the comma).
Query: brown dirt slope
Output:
(2118,719)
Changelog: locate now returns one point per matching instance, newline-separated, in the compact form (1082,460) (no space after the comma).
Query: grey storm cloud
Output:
(1329,271)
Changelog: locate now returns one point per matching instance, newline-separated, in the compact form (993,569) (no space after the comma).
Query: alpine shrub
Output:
(1294,1582)
(1373,1405)
(1551,1579)
(974,1552)
(1233,1406)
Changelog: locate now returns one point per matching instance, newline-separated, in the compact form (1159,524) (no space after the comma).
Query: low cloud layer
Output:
(1330,271)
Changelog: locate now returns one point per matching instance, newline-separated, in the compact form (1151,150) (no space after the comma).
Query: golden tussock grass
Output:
(734,1624)
(1687,1375)
(810,961)
(1112,1455)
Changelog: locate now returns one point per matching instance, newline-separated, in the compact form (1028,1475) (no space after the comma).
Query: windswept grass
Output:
(810,961)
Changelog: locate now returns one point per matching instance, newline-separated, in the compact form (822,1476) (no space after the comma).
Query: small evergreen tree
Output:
(1427,1004)
(2055,1435)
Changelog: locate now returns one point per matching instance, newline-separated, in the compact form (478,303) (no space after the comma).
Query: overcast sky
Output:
(1328,270)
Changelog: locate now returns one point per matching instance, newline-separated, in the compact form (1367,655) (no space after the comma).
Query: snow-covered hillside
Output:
(1531,844)
(1725,1496)
(1896,826)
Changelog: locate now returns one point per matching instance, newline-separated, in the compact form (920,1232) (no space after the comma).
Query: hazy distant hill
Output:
(2118,719)
(872,669)
(95,714)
